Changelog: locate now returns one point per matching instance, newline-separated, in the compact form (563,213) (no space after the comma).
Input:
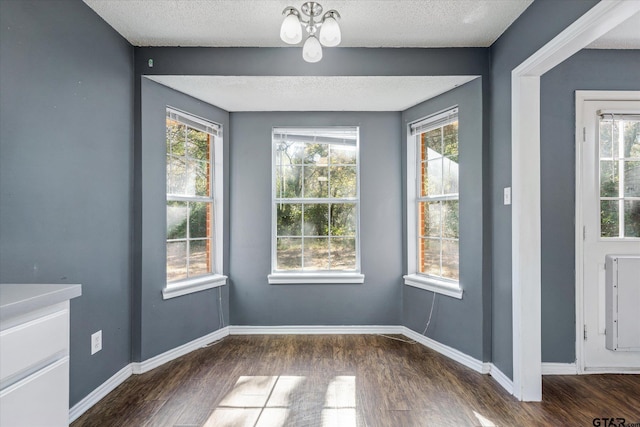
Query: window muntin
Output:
(315,200)
(437,196)
(619,168)
(190,196)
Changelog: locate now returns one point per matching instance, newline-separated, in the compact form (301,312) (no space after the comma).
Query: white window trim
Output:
(197,284)
(215,279)
(413,278)
(314,277)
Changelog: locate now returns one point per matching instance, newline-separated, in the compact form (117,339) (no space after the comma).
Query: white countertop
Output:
(17,299)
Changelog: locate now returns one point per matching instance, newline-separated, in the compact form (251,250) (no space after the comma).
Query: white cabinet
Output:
(34,354)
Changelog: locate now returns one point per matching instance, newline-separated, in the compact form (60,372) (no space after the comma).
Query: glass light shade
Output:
(291,30)
(330,32)
(312,50)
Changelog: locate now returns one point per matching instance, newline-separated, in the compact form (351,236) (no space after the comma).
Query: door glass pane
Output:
(609,178)
(609,224)
(606,139)
(632,218)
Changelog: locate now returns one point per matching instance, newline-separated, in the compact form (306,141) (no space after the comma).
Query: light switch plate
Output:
(507,195)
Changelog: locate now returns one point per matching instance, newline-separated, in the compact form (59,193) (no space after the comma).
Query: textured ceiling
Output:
(304,93)
(364,23)
(624,36)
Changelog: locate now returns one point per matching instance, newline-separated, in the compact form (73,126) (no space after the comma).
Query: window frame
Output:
(314,276)
(214,278)
(414,278)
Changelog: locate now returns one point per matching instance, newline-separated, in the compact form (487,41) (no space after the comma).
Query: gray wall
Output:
(542,21)
(66,134)
(462,324)
(586,70)
(253,300)
(160,325)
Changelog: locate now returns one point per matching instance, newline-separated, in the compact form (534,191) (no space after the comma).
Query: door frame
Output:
(525,171)
(581,97)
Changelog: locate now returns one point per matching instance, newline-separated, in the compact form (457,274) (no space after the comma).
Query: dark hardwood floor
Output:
(348,380)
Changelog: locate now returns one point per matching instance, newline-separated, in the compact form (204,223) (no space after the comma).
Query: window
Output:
(433,189)
(193,204)
(316,206)
(619,136)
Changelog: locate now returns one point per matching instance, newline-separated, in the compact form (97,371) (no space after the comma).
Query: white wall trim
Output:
(501,378)
(450,352)
(315,330)
(167,356)
(94,397)
(549,368)
(525,160)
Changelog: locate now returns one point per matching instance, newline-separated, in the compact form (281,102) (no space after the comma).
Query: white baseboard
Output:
(559,369)
(94,397)
(167,356)
(501,378)
(452,353)
(315,330)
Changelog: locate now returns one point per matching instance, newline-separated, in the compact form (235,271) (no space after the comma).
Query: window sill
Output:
(314,278)
(193,285)
(438,286)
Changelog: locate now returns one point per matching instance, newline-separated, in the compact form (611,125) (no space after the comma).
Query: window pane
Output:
(429,256)
(450,176)
(316,182)
(450,221)
(199,257)
(343,253)
(609,178)
(450,140)
(632,218)
(175,138)
(342,154)
(289,254)
(632,179)
(316,154)
(431,144)
(432,178)
(343,219)
(316,219)
(450,259)
(177,171)
(199,219)
(176,220)
(289,219)
(316,253)
(289,153)
(606,141)
(343,181)
(197,144)
(197,182)
(430,219)
(176,260)
(609,218)
(632,138)
(288,182)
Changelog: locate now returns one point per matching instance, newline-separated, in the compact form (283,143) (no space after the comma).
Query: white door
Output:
(610,194)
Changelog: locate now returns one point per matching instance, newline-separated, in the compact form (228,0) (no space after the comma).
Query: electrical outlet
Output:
(507,195)
(96,342)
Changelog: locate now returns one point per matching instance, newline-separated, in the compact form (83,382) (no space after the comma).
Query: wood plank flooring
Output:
(347,380)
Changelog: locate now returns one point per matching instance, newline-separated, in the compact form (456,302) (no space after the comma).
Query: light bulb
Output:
(291,31)
(312,50)
(330,32)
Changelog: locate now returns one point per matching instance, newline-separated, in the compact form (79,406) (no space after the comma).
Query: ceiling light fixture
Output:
(324,31)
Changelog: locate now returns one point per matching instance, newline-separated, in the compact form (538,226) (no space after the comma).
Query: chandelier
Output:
(323,31)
